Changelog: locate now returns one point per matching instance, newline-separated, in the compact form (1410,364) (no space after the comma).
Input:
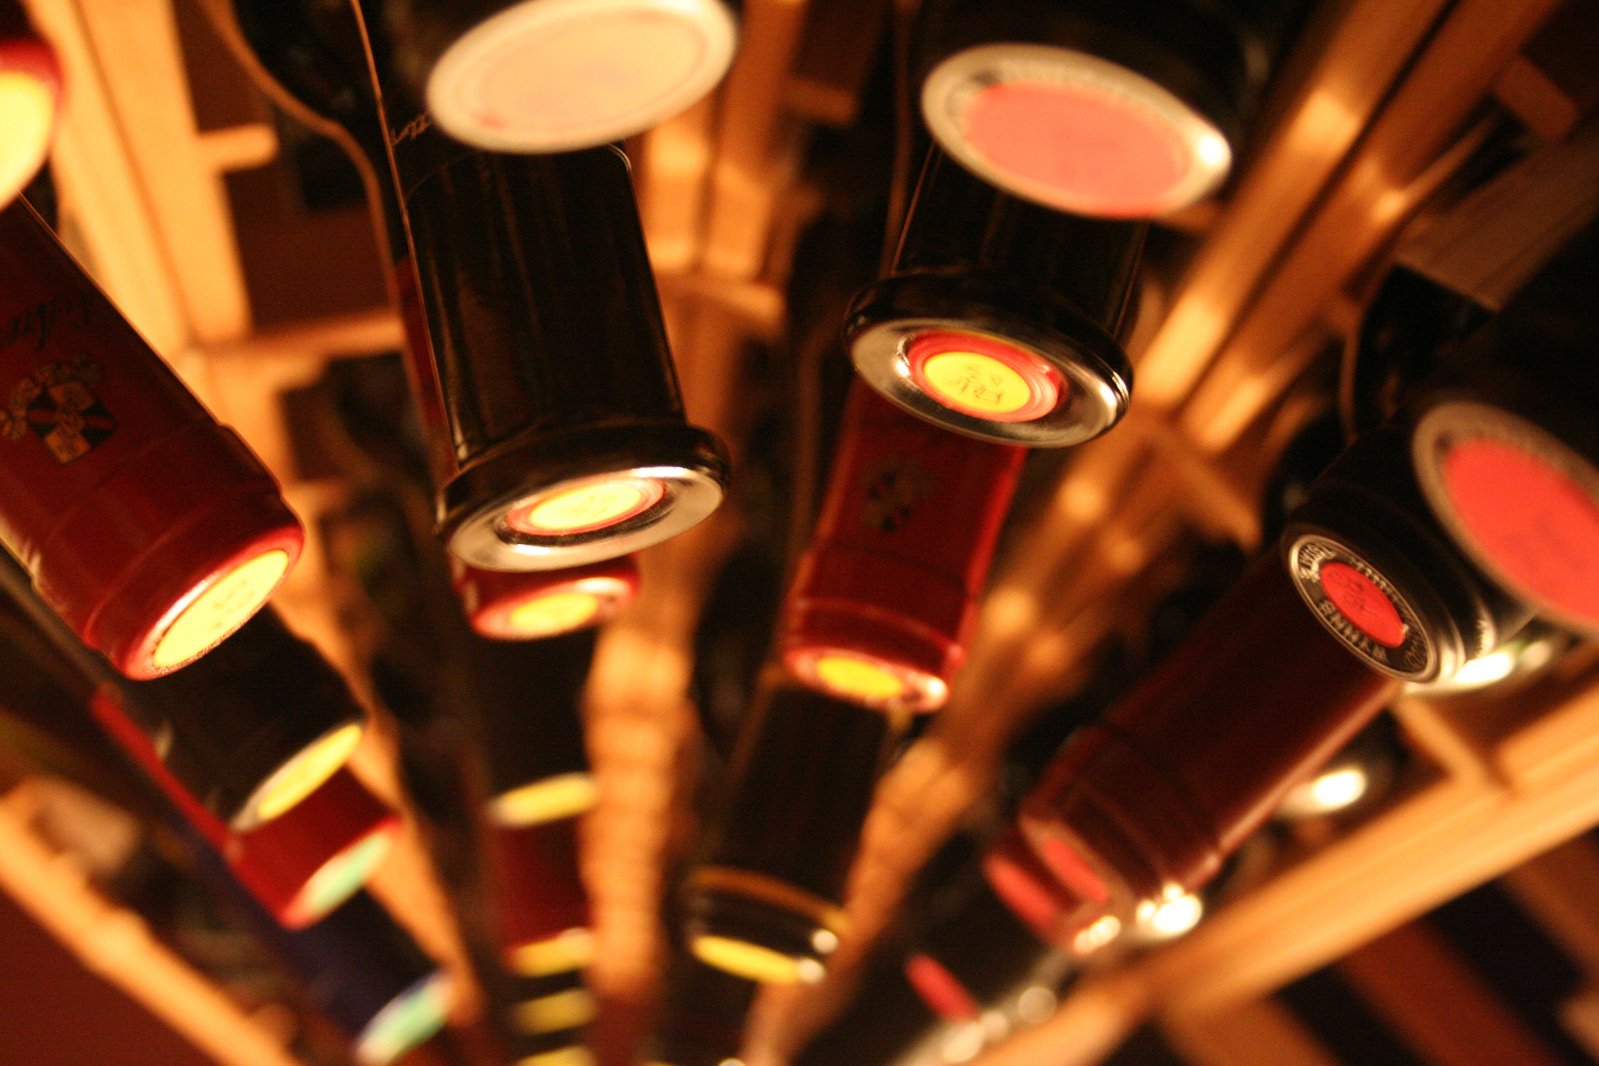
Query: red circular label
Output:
(1533,523)
(1358,599)
(1086,144)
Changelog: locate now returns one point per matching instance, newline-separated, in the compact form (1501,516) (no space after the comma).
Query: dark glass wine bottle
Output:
(1000,319)
(766,903)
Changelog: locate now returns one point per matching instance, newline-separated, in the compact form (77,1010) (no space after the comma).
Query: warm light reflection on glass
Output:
(1173,918)
(1104,929)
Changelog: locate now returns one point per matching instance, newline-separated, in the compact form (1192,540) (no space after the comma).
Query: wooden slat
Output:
(117,945)
(1433,1001)
(749,174)
(148,88)
(836,56)
(1258,1033)
(103,201)
(1558,889)
(1368,48)
(1393,169)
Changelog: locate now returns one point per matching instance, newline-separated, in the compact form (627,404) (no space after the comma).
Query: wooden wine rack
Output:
(1378,111)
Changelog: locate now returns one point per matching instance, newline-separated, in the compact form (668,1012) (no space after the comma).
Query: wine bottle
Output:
(556,75)
(367,976)
(303,865)
(527,701)
(550,361)
(766,903)
(1147,803)
(30,100)
(153,531)
(1099,108)
(884,599)
(247,733)
(999,318)
(1384,577)
(541,910)
(545,389)
(1505,449)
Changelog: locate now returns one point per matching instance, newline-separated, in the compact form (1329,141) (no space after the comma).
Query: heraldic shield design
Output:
(57,403)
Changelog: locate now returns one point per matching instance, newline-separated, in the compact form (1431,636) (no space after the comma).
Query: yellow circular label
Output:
(863,679)
(571,950)
(300,776)
(563,796)
(27,116)
(976,383)
(558,612)
(750,961)
(566,1056)
(221,607)
(550,1014)
(589,506)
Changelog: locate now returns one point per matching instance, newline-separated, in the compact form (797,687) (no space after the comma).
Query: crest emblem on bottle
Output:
(58,404)
(893,490)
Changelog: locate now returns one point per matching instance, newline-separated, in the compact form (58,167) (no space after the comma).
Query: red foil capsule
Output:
(304,864)
(528,605)
(540,906)
(30,99)
(1146,804)
(152,530)
(883,601)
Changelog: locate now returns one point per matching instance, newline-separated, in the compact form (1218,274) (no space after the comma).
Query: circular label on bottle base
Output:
(301,775)
(1357,604)
(586,508)
(219,609)
(27,120)
(982,376)
(562,611)
(754,962)
(560,75)
(549,800)
(1073,131)
(1518,501)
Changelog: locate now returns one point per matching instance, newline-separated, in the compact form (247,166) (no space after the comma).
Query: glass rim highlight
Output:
(548,800)
(299,775)
(1094,379)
